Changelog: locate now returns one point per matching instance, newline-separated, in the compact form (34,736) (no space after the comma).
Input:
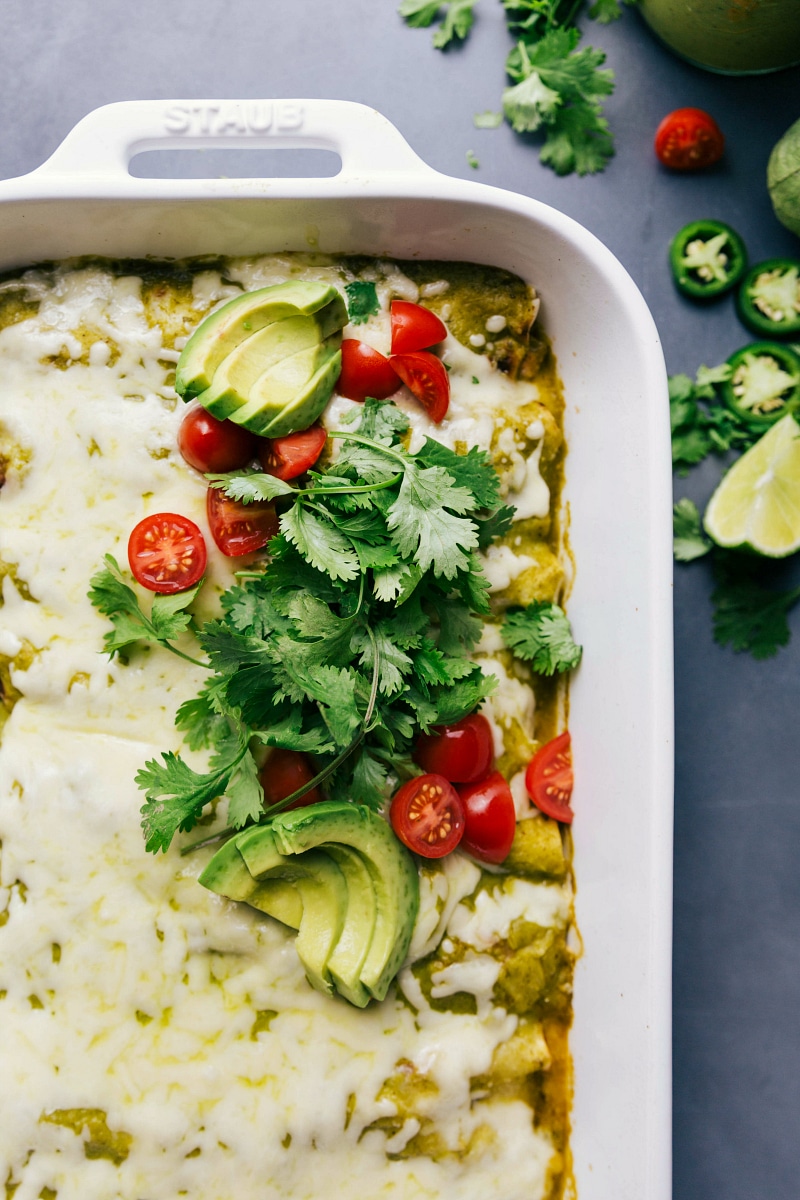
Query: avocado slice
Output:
(322,890)
(227,875)
(351,950)
(293,393)
(391,867)
(260,352)
(223,329)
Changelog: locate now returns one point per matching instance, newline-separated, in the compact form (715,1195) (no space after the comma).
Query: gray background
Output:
(737,823)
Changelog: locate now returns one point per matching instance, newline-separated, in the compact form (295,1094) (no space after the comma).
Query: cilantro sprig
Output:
(556,90)
(355,637)
(168,617)
(700,422)
(542,635)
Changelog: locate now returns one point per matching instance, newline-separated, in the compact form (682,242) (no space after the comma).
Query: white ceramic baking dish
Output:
(386,201)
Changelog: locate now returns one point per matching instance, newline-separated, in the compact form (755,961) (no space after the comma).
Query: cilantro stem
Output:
(349,491)
(364,441)
(186,657)
(324,774)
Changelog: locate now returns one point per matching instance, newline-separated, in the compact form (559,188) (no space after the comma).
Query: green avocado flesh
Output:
(391,868)
(259,353)
(223,330)
(293,393)
(336,873)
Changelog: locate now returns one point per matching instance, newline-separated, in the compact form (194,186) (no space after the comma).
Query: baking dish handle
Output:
(103,143)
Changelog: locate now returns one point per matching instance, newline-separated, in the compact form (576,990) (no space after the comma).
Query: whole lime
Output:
(783,178)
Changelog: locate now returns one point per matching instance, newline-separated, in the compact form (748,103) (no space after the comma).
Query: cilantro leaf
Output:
(320,542)
(487,120)
(176,796)
(114,598)
(578,140)
(541,635)
(701,423)
(419,14)
(456,700)
(378,420)
(457,23)
(689,541)
(606,11)
(473,470)
(362,301)
(245,794)
(558,87)
(747,615)
(494,526)
(530,104)
(250,486)
(423,527)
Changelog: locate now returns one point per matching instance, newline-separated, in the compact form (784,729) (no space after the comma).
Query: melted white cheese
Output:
(127,987)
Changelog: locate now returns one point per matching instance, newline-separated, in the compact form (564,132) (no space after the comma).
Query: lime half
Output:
(757,504)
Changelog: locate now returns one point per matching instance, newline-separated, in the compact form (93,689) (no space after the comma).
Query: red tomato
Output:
(688,139)
(166,553)
(287,457)
(211,445)
(284,772)
(365,372)
(414,327)
(549,778)
(424,374)
(461,752)
(490,818)
(240,528)
(427,816)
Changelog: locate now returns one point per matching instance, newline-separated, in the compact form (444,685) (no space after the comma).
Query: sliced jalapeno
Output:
(764,383)
(707,259)
(769,298)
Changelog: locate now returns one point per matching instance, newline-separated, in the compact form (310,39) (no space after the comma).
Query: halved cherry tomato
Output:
(240,528)
(424,374)
(211,445)
(166,553)
(461,752)
(365,372)
(415,327)
(427,816)
(289,456)
(490,818)
(549,778)
(688,139)
(284,772)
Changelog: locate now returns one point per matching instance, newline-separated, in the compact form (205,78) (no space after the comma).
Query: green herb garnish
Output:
(356,636)
(541,635)
(115,599)
(688,540)
(557,90)
(362,301)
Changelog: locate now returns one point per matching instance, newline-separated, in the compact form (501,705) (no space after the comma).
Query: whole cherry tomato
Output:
(167,553)
(688,139)
(461,752)
(365,372)
(490,818)
(292,455)
(426,377)
(239,528)
(549,778)
(414,327)
(284,772)
(427,816)
(211,445)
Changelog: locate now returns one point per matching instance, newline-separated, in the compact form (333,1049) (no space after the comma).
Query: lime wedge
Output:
(757,504)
